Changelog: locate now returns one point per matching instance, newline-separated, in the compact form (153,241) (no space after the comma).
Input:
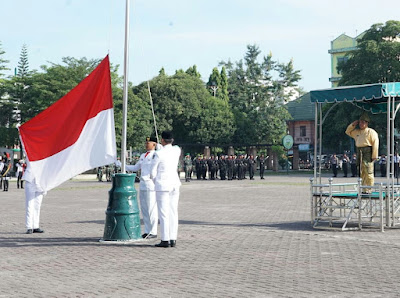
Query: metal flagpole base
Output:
(122,214)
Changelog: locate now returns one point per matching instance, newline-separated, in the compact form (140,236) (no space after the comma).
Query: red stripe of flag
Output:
(59,126)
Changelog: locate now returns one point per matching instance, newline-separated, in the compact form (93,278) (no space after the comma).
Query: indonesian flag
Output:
(73,135)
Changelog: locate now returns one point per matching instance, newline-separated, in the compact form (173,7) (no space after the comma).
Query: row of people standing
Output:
(229,167)
(383,162)
(353,162)
(334,164)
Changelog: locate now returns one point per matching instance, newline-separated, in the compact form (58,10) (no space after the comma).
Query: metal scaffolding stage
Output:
(345,206)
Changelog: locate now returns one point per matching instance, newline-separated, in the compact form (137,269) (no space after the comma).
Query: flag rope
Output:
(152,111)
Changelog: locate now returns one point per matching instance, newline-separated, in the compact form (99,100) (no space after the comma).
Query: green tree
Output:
(162,72)
(377,58)
(20,85)
(183,104)
(3,62)
(193,72)
(8,135)
(375,61)
(216,124)
(257,93)
(223,93)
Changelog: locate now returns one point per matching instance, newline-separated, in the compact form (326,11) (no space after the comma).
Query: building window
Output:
(341,61)
(303,131)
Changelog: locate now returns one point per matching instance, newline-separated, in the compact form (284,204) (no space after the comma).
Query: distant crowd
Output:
(349,165)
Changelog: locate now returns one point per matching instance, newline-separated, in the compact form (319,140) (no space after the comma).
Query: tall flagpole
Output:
(125,91)
(122,221)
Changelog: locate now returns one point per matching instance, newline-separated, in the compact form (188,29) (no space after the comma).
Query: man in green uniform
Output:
(197,164)
(203,166)
(187,164)
(262,165)
(222,162)
(251,162)
(230,165)
(367,143)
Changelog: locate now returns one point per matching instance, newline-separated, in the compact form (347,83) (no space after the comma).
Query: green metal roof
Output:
(372,98)
(301,108)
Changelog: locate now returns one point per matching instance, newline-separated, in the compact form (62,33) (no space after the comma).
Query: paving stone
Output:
(236,239)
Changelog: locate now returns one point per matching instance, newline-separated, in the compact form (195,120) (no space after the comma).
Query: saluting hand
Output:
(355,123)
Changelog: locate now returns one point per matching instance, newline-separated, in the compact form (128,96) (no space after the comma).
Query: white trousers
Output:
(33,201)
(167,202)
(148,206)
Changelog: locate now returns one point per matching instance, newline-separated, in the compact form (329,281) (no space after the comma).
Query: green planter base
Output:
(122,214)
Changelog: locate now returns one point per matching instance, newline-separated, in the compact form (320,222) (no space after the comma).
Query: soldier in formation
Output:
(262,160)
(229,167)
(345,162)
(188,165)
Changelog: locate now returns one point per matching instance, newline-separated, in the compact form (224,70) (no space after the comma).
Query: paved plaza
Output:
(236,239)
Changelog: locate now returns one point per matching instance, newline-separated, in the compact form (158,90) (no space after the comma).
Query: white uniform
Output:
(147,195)
(33,200)
(166,180)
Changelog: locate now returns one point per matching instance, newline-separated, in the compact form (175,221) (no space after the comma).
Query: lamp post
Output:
(214,88)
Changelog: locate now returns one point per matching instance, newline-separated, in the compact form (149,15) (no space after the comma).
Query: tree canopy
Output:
(245,107)
(376,60)
(182,104)
(257,93)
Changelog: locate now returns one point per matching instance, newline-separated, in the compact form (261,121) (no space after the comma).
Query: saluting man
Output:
(167,184)
(147,194)
(367,143)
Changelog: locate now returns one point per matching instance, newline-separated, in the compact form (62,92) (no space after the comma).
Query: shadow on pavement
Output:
(287,226)
(64,241)
(102,221)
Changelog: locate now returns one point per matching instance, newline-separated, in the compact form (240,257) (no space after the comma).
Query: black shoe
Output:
(29,231)
(162,244)
(172,243)
(38,230)
(149,236)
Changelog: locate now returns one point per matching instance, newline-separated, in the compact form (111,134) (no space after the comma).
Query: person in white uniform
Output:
(33,201)
(147,195)
(164,172)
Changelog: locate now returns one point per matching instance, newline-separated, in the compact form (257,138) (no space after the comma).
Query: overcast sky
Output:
(177,34)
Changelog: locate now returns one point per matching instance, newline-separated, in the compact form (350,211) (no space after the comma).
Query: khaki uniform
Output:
(367,143)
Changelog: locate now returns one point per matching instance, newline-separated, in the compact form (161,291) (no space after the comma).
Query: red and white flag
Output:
(73,135)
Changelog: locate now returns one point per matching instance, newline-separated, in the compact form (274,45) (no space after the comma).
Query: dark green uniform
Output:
(262,166)
(197,163)
(187,165)
(251,166)
(222,162)
(230,165)
(203,166)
